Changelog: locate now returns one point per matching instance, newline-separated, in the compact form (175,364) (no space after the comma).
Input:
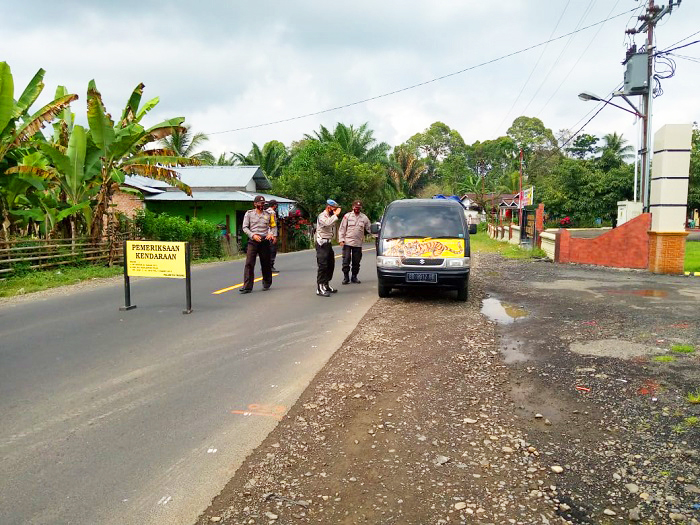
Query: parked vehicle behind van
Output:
(423,243)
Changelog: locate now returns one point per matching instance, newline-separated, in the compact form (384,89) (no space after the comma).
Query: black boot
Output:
(346,278)
(330,289)
(321,291)
(355,279)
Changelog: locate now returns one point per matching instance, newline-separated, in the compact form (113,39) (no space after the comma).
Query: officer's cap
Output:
(332,203)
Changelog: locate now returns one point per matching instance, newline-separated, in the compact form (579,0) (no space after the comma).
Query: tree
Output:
(320,171)
(614,152)
(583,147)
(17,126)
(184,144)
(540,149)
(435,144)
(272,158)
(694,182)
(405,171)
(358,142)
(122,150)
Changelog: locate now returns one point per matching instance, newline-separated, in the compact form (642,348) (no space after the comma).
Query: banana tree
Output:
(71,171)
(122,149)
(17,127)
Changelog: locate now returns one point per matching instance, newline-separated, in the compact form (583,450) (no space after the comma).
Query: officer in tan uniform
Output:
(351,235)
(325,258)
(261,229)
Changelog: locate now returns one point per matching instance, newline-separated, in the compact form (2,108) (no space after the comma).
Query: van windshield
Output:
(422,221)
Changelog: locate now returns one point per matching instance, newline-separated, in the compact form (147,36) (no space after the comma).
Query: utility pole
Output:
(520,197)
(649,20)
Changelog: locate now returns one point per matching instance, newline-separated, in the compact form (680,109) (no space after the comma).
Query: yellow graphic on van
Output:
(427,247)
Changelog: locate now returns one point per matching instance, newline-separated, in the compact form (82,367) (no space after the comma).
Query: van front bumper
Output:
(446,278)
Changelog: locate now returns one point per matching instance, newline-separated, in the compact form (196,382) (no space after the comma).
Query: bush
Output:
(164,227)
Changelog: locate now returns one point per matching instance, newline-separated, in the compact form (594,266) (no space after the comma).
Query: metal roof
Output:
(240,196)
(223,176)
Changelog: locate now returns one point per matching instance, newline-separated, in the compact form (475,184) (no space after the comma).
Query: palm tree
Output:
(616,146)
(185,145)
(360,142)
(406,171)
(272,158)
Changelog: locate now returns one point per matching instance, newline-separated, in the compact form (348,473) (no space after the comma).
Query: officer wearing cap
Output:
(351,235)
(325,229)
(260,227)
(272,209)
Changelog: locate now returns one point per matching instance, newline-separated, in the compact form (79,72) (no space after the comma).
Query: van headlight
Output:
(462,262)
(388,262)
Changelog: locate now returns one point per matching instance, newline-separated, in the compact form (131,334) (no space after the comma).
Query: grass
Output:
(692,257)
(482,243)
(693,397)
(664,359)
(43,280)
(683,349)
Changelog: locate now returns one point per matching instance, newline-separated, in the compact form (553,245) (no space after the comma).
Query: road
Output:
(141,417)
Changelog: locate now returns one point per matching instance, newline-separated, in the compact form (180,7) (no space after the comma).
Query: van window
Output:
(422,221)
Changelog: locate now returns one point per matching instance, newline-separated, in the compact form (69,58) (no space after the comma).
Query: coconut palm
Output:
(184,144)
(406,171)
(272,158)
(616,147)
(358,142)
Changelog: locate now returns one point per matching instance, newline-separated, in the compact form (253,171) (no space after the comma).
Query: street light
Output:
(586,96)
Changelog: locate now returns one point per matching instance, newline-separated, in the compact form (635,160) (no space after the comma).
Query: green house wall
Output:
(210,211)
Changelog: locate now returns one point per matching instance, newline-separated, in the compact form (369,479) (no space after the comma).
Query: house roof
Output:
(240,196)
(214,178)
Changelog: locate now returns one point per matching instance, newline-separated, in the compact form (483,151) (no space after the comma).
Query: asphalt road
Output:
(141,417)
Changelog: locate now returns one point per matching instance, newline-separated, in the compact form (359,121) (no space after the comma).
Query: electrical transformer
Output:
(636,74)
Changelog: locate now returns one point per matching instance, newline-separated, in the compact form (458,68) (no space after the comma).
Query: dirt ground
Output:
(555,409)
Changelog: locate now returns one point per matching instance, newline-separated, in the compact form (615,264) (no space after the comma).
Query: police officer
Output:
(260,227)
(272,209)
(351,235)
(325,230)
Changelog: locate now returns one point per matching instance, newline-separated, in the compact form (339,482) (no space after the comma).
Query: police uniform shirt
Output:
(352,228)
(262,224)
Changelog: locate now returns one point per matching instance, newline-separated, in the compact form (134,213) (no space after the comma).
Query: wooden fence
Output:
(39,254)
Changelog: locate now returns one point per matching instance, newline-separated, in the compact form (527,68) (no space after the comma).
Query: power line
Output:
(522,89)
(503,57)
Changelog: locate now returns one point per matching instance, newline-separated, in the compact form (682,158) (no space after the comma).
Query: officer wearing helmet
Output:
(351,235)
(260,227)
(325,258)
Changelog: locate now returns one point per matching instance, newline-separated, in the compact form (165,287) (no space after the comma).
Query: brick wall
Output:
(626,246)
(127,203)
(667,252)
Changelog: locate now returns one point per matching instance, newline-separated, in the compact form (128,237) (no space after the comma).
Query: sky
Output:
(231,67)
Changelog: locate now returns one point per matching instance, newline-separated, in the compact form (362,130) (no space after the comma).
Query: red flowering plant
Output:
(565,222)
(298,229)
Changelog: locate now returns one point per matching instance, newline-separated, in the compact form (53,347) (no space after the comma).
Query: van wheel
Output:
(463,290)
(382,289)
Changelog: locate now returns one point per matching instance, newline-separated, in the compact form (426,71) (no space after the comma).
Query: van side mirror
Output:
(375,227)
(472,229)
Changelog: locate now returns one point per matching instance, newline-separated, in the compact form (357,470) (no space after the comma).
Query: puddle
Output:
(513,351)
(641,293)
(502,313)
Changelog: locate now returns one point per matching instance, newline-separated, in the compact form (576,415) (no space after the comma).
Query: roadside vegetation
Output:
(692,257)
(482,243)
(37,281)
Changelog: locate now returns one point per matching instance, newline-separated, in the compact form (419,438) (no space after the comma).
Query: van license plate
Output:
(421,277)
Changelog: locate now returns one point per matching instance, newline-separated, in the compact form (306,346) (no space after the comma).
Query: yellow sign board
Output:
(425,248)
(155,259)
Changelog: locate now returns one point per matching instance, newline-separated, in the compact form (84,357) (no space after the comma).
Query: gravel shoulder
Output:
(430,412)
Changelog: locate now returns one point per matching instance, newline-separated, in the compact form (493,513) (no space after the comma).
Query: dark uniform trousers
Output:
(262,249)
(326,262)
(352,255)
(273,253)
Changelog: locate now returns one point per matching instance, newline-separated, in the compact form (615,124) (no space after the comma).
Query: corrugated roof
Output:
(240,196)
(223,176)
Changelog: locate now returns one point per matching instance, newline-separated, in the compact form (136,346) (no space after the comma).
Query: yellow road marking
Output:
(224,290)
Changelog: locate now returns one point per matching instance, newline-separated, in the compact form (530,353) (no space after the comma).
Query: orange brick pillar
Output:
(667,252)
